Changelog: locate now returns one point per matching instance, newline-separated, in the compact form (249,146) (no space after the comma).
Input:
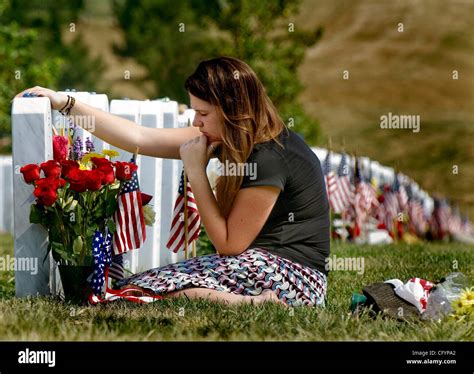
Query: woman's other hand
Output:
(196,152)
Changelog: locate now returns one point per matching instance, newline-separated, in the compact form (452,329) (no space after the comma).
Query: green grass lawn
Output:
(44,318)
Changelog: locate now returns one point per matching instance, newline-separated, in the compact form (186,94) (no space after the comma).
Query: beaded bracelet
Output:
(67,103)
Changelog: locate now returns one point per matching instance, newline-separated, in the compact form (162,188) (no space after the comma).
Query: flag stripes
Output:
(129,220)
(176,241)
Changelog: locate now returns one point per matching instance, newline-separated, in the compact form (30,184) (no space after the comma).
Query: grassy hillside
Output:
(407,72)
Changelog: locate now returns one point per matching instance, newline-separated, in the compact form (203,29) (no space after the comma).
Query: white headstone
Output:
(320,153)
(170,184)
(99,101)
(376,172)
(2,188)
(186,117)
(151,171)
(365,162)
(335,160)
(128,109)
(6,194)
(32,143)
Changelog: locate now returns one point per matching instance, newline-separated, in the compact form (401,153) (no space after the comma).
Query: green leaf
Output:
(70,206)
(111,206)
(66,202)
(77,229)
(36,214)
(99,210)
(59,249)
(80,213)
(77,245)
(91,230)
(111,226)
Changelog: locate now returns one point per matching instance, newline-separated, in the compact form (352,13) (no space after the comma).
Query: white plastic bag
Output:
(442,295)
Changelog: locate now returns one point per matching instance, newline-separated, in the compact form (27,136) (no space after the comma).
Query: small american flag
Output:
(416,216)
(392,207)
(455,222)
(177,237)
(329,179)
(343,195)
(116,269)
(129,220)
(401,193)
(366,195)
(440,217)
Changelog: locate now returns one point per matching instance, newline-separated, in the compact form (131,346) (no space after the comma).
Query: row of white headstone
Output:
(379,174)
(32,129)
(32,125)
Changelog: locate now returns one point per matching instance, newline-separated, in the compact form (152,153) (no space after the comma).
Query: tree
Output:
(17,71)
(165,39)
(52,20)
(171,40)
(32,52)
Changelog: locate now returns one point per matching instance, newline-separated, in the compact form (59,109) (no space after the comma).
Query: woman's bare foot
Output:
(266,295)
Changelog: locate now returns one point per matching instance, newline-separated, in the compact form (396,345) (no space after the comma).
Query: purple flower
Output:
(77,149)
(89,145)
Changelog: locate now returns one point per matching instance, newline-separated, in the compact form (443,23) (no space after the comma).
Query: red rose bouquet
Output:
(76,196)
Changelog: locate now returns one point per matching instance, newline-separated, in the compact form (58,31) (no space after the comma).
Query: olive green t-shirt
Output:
(298,226)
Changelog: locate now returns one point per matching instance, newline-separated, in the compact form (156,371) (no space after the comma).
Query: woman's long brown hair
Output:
(249,116)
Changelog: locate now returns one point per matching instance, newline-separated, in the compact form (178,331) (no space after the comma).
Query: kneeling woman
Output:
(270,227)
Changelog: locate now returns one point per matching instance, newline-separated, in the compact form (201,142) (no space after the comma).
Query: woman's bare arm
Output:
(252,206)
(127,135)
(120,132)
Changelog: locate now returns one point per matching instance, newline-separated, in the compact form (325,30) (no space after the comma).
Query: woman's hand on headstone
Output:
(57,100)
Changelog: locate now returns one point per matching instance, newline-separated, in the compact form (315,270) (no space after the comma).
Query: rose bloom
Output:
(93,179)
(68,165)
(108,174)
(45,194)
(99,161)
(124,170)
(106,167)
(54,183)
(60,148)
(145,198)
(77,180)
(31,172)
(51,168)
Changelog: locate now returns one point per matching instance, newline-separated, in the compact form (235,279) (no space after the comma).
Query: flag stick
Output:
(356,166)
(185,206)
(185,217)
(330,210)
(194,249)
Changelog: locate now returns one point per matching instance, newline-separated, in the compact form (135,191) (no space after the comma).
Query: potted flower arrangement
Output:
(76,198)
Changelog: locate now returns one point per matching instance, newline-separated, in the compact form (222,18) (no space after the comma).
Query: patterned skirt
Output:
(249,273)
